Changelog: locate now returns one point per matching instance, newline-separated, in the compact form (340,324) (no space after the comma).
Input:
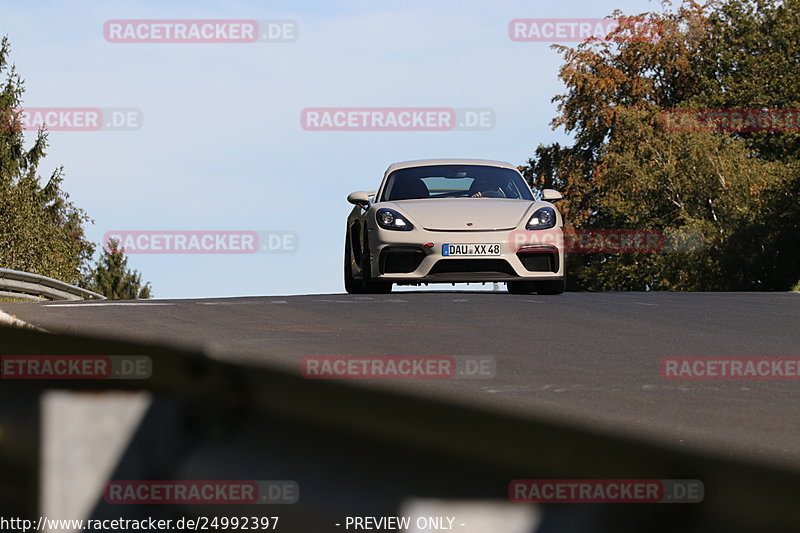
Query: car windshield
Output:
(455,181)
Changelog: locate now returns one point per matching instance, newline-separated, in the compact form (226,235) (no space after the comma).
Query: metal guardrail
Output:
(15,283)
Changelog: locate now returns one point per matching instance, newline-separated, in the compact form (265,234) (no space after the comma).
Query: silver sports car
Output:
(454,221)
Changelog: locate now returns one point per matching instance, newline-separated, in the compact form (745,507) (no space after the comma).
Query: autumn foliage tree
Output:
(626,169)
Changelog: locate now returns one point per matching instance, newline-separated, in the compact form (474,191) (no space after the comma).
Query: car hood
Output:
(463,214)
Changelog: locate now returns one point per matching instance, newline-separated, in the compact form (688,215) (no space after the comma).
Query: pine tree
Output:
(41,231)
(113,279)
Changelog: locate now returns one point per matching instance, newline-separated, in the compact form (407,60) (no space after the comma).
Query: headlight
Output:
(543,218)
(391,219)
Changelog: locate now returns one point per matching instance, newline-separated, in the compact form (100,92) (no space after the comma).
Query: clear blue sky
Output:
(221,145)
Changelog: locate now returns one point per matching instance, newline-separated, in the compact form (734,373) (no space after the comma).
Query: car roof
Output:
(431,162)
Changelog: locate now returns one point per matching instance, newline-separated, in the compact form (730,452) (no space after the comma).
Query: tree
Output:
(683,183)
(113,279)
(41,231)
(627,170)
(753,61)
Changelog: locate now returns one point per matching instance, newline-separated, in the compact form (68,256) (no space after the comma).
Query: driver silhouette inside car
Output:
(485,188)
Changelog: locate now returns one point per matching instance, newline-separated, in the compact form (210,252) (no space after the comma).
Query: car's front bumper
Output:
(416,256)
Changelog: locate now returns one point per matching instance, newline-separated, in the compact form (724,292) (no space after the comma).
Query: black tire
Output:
(521,287)
(539,287)
(551,287)
(351,285)
(370,286)
(364,285)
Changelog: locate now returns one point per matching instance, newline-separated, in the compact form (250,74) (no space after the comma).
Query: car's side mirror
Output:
(551,195)
(360,198)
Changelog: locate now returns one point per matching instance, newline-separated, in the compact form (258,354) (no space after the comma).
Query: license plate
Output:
(470,249)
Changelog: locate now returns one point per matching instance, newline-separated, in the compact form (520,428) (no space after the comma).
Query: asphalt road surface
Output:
(593,359)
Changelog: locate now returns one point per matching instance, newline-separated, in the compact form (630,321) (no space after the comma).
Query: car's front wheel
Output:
(539,287)
(365,285)
(351,285)
(521,287)
(551,287)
